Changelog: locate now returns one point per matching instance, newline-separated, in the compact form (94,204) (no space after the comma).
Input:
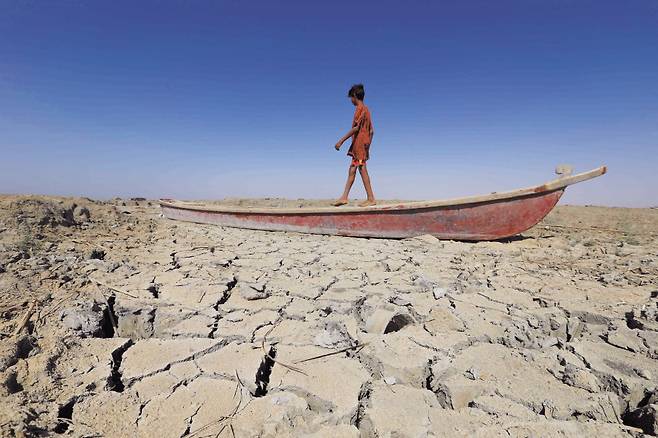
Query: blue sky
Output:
(200,99)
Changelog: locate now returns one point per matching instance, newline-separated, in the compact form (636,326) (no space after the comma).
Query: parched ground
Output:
(143,327)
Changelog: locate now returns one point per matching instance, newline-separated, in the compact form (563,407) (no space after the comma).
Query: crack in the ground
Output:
(189,420)
(154,288)
(182,382)
(64,415)
(265,324)
(114,381)
(110,324)
(358,420)
(219,345)
(264,371)
(142,406)
(230,285)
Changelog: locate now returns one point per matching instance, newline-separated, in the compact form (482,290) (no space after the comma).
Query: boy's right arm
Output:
(356,125)
(350,133)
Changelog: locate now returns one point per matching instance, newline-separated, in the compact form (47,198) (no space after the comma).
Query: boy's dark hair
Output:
(357,91)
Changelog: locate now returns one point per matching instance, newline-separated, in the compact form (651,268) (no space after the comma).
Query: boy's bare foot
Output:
(339,202)
(367,203)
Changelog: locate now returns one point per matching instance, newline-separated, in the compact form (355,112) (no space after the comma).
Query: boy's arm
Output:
(350,133)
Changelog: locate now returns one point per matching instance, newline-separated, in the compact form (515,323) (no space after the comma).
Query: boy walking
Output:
(361,133)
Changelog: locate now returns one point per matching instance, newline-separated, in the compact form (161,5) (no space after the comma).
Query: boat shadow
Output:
(512,239)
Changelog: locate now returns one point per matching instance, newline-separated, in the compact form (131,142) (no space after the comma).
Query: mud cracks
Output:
(155,328)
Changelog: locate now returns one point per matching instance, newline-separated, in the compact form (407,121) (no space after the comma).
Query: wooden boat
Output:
(486,217)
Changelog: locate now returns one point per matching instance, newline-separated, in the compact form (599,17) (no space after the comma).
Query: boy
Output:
(361,133)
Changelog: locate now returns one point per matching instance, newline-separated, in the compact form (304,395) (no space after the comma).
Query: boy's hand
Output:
(338,145)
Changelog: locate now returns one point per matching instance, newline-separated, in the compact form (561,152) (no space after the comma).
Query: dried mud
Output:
(151,328)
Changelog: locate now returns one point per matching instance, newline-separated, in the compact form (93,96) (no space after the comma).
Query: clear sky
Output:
(209,99)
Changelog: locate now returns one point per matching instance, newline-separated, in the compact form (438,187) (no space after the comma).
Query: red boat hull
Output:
(489,220)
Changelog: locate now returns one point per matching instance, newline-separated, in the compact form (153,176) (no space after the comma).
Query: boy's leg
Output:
(351,175)
(363,170)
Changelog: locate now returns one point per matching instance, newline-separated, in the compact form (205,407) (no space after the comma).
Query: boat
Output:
(485,217)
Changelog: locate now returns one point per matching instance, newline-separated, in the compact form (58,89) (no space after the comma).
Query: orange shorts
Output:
(358,163)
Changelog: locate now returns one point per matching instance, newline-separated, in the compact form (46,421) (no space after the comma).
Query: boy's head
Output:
(356,93)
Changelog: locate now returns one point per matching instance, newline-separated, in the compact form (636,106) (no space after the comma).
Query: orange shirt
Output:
(360,149)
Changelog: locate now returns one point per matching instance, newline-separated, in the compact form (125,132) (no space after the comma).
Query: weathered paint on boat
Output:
(488,217)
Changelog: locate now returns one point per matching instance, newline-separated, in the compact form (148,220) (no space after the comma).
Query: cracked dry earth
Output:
(145,327)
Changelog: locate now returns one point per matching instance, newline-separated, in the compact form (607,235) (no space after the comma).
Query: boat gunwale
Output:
(551,186)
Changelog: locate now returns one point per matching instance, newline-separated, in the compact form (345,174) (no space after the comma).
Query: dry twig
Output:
(357,347)
(115,289)
(592,228)
(12,307)
(25,319)
(54,307)
(267,355)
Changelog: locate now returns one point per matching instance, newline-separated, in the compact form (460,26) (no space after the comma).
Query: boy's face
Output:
(354,100)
